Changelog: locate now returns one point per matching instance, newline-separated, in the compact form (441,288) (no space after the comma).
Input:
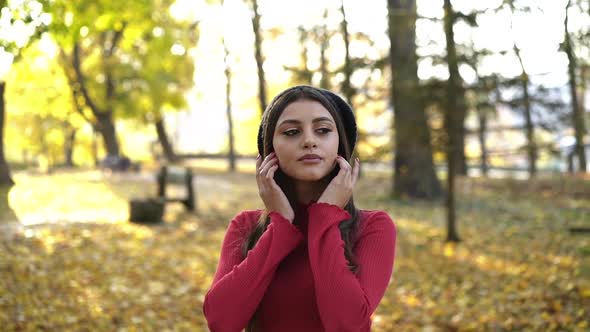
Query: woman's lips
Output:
(311,161)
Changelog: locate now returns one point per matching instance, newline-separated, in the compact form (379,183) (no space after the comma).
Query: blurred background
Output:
(473,135)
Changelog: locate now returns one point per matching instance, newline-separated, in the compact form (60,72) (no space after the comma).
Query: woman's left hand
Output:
(339,191)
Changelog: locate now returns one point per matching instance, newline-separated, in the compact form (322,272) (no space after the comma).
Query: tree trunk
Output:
(259,57)
(347,89)
(346,85)
(5,177)
(324,39)
(164,141)
(69,142)
(530,127)
(232,154)
(461,159)
(306,75)
(584,77)
(107,130)
(459,106)
(95,147)
(414,174)
(577,111)
(453,122)
(104,118)
(481,135)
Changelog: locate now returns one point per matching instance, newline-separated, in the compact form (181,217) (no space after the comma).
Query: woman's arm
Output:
(346,301)
(239,285)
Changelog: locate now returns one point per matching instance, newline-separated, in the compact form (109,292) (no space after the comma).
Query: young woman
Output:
(310,260)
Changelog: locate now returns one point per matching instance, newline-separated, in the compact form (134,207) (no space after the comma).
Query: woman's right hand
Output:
(272,195)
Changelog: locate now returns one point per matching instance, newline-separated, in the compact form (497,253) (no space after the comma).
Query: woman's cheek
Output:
(334,163)
(282,164)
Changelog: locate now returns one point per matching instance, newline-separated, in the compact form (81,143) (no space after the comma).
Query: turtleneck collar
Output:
(304,206)
(301,215)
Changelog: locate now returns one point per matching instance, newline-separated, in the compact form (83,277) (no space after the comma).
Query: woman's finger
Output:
(259,164)
(264,160)
(271,173)
(267,159)
(342,171)
(267,166)
(356,170)
(348,174)
(344,165)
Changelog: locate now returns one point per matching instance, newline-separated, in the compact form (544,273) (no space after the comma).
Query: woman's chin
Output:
(308,176)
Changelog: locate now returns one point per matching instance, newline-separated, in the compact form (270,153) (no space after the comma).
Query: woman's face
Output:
(306,140)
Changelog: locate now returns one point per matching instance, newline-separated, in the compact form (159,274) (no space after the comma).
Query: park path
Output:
(93,197)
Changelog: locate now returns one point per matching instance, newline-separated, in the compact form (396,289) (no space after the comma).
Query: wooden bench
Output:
(175,175)
(151,210)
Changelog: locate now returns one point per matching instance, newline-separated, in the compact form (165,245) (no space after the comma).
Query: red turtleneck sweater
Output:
(296,277)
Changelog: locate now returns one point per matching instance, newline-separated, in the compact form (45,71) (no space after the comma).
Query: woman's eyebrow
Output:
(294,121)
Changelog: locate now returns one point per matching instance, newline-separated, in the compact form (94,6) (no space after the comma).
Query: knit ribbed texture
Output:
(298,277)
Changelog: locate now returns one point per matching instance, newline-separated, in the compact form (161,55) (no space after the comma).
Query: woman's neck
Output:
(309,191)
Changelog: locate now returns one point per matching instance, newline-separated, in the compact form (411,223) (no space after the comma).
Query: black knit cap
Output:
(340,106)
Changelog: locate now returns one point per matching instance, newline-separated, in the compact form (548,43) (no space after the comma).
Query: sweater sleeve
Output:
(239,284)
(346,301)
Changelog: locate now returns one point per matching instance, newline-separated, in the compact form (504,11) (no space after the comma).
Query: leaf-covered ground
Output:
(73,262)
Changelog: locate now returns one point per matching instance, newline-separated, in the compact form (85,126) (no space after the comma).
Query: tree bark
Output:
(453,121)
(95,147)
(481,135)
(106,128)
(259,57)
(69,143)
(305,75)
(104,118)
(414,174)
(324,39)
(5,177)
(529,126)
(347,88)
(232,153)
(584,78)
(577,111)
(459,106)
(164,141)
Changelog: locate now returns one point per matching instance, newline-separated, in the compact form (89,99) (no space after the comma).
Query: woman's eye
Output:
(291,132)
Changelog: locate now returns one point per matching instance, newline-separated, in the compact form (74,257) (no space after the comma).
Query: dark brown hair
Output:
(269,121)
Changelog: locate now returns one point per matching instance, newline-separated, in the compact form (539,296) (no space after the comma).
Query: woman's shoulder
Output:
(371,219)
(246,219)
(372,214)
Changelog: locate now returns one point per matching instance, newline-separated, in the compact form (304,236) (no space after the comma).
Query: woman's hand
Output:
(272,195)
(339,191)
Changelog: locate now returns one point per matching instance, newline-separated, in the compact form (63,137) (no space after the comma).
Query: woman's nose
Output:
(309,140)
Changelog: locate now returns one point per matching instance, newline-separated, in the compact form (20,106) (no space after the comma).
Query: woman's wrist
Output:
(287,217)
